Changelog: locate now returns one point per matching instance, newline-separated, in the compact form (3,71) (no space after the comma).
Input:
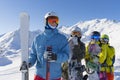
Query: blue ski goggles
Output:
(95,37)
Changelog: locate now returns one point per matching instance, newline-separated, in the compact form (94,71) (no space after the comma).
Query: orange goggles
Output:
(78,34)
(53,19)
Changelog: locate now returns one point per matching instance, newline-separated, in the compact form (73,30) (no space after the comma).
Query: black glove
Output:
(51,57)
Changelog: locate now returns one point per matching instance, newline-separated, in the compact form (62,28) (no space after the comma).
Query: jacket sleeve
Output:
(102,55)
(82,47)
(111,54)
(87,56)
(64,53)
(32,55)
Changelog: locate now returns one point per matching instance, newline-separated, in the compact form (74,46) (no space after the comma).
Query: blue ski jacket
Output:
(59,43)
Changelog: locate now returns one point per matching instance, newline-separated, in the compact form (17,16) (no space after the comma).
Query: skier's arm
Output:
(103,53)
(83,50)
(63,54)
(111,52)
(87,56)
(33,55)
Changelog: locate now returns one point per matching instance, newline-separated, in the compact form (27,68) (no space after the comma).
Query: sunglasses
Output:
(53,19)
(95,37)
(75,33)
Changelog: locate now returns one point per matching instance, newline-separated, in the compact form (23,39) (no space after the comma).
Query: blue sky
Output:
(70,12)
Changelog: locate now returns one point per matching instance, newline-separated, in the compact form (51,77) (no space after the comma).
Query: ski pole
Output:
(49,49)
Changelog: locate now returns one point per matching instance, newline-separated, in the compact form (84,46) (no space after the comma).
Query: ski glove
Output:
(50,56)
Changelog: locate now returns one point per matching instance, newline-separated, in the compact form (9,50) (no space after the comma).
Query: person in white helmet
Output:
(49,50)
(73,69)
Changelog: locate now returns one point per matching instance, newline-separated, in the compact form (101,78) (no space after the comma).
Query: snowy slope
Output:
(10,54)
(10,47)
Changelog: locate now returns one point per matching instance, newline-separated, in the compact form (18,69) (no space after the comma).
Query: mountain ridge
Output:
(11,41)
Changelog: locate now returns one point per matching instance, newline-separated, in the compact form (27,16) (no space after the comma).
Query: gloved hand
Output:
(51,57)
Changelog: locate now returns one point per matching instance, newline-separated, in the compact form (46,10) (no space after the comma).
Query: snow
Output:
(10,52)
(5,60)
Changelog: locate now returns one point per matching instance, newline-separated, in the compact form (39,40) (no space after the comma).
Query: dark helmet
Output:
(95,35)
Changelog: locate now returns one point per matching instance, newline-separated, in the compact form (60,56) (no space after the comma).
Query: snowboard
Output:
(76,70)
(24,40)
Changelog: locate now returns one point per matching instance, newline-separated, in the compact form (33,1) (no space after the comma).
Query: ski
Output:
(24,36)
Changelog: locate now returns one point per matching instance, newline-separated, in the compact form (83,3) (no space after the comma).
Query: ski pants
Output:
(110,76)
(40,78)
(102,75)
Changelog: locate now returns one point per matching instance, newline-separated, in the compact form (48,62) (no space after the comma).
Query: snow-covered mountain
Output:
(10,42)
(104,26)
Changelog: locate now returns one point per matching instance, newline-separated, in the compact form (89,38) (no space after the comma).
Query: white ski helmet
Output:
(50,14)
(76,29)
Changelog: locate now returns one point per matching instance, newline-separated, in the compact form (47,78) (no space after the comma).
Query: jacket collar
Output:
(50,32)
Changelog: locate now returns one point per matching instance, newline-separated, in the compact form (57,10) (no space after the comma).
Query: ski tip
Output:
(24,14)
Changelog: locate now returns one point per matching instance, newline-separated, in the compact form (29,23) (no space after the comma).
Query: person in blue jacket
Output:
(51,47)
